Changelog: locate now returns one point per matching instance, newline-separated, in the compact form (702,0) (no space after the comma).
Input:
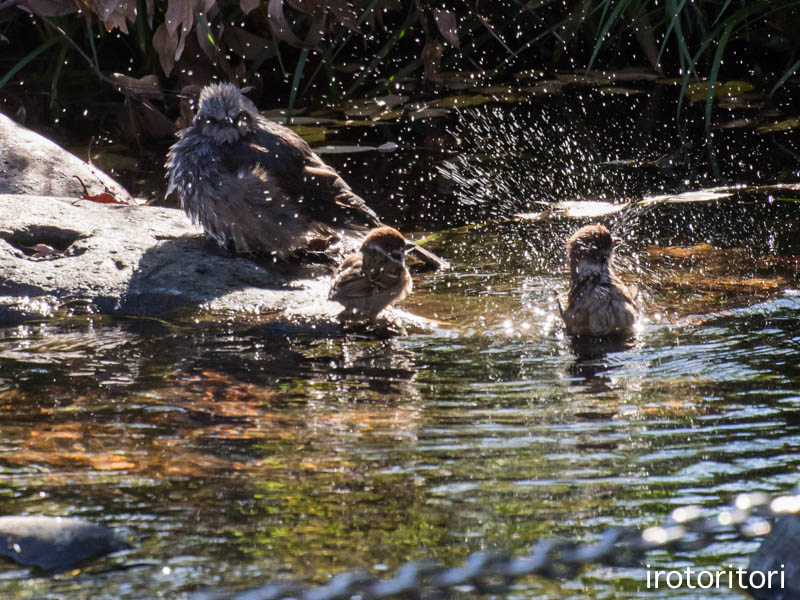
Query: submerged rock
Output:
(55,543)
(777,560)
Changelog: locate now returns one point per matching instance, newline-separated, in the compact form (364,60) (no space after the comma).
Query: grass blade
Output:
(785,77)
(298,74)
(22,63)
(606,26)
(712,79)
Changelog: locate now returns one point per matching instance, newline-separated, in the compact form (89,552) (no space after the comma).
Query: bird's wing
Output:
(349,281)
(288,159)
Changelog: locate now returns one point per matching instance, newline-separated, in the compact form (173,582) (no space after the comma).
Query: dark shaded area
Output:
(57,238)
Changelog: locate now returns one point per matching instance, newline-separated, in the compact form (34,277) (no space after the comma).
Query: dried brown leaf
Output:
(312,8)
(51,8)
(280,26)
(44,251)
(344,13)
(165,43)
(448,26)
(114,13)
(243,43)
(146,86)
(249,6)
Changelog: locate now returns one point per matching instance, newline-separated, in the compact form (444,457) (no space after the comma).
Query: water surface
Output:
(232,454)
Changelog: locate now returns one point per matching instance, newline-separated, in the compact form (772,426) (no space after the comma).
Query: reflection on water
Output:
(232,455)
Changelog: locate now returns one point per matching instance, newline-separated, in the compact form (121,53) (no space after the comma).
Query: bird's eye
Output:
(243,118)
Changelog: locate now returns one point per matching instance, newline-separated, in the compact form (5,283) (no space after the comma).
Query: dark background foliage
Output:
(131,66)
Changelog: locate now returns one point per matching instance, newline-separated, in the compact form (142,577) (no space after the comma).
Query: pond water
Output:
(232,454)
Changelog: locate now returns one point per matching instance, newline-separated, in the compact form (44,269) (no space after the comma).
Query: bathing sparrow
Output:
(598,302)
(373,277)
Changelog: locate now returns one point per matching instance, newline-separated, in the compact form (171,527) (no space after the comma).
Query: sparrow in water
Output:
(257,187)
(374,277)
(598,302)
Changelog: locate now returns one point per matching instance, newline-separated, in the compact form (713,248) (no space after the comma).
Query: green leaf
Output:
(298,74)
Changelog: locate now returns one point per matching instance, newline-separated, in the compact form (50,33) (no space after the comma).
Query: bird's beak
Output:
(409,246)
(614,241)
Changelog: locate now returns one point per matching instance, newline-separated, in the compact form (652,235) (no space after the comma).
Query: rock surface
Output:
(32,164)
(135,260)
(55,543)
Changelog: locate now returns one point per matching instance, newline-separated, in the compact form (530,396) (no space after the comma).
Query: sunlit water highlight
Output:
(233,457)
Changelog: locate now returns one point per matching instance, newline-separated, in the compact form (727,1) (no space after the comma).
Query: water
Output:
(231,455)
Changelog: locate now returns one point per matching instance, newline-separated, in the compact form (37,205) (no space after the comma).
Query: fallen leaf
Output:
(51,8)
(249,6)
(460,101)
(784,125)
(698,91)
(342,149)
(102,198)
(311,135)
(44,251)
(280,26)
(446,22)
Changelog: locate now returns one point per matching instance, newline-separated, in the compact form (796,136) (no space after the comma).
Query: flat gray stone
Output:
(135,260)
(32,164)
(55,543)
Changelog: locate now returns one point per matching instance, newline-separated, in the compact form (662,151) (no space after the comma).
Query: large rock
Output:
(136,260)
(32,164)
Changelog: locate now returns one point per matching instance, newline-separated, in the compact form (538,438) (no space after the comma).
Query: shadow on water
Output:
(233,454)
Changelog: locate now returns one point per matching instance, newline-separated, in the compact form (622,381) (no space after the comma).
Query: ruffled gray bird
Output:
(257,187)
(598,303)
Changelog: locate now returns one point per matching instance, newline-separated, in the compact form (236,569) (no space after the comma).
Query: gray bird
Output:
(598,303)
(257,187)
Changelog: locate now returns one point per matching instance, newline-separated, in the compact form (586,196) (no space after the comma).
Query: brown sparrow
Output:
(257,187)
(374,277)
(598,302)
